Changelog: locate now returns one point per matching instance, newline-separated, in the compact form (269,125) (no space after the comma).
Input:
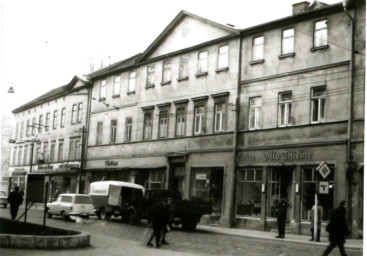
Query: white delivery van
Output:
(117,198)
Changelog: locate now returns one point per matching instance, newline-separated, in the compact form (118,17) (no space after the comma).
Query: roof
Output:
(175,22)
(53,94)
(131,61)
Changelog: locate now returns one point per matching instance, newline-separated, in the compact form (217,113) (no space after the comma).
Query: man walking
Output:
(15,198)
(337,229)
(282,216)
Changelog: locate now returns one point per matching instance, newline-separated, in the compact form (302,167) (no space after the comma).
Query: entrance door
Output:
(280,185)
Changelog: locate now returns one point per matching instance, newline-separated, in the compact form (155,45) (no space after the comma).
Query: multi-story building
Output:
(301,116)
(48,137)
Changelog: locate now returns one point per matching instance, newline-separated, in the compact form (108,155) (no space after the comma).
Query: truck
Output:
(184,212)
(117,198)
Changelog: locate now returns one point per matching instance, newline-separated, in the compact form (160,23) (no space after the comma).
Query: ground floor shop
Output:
(265,176)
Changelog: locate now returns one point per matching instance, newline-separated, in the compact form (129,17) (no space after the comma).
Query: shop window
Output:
(19,181)
(156,179)
(179,177)
(285,109)
(249,192)
(200,187)
(318,99)
(254,115)
(310,177)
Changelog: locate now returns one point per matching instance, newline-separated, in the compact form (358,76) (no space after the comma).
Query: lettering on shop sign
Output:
(69,166)
(246,157)
(41,167)
(287,156)
(19,169)
(111,163)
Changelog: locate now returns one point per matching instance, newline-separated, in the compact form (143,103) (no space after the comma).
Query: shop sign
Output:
(287,156)
(43,167)
(323,187)
(68,166)
(201,176)
(111,163)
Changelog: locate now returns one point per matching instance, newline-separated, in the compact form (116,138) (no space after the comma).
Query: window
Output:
(16,131)
(184,67)
(258,48)
(219,117)
(199,119)
(181,121)
(288,41)
(254,116)
(34,123)
(309,178)
(40,123)
(163,124)
(156,179)
(25,155)
(223,57)
(74,114)
(249,192)
(320,33)
(128,128)
(63,114)
(166,76)
(102,90)
(116,86)
(203,62)
(99,133)
(47,127)
(20,149)
(318,104)
(74,149)
(52,153)
(54,124)
(132,80)
(21,130)
(14,156)
(147,126)
(45,152)
(27,128)
(150,75)
(38,154)
(285,109)
(60,151)
(113,131)
(80,112)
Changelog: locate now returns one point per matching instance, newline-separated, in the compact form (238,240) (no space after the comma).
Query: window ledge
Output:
(201,74)
(323,47)
(102,99)
(283,56)
(116,96)
(183,78)
(218,70)
(166,83)
(132,92)
(255,62)
(148,86)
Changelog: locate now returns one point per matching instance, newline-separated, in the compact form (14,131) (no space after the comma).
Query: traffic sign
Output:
(323,187)
(323,169)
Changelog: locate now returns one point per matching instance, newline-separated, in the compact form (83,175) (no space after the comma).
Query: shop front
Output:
(264,177)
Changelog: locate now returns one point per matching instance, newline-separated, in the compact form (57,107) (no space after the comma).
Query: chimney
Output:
(300,7)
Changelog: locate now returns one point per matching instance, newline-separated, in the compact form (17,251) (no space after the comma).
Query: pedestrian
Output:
(159,220)
(320,212)
(167,221)
(282,216)
(15,198)
(337,229)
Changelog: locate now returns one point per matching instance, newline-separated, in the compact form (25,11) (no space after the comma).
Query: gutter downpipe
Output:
(235,139)
(349,165)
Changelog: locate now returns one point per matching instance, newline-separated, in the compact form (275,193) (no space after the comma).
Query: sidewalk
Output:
(350,243)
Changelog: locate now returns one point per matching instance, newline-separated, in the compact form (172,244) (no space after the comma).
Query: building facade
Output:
(48,137)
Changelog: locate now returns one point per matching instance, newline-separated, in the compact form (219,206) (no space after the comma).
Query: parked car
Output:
(67,205)
(117,198)
(3,199)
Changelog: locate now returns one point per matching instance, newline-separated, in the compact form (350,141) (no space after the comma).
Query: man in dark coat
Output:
(159,221)
(338,229)
(15,198)
(281,217)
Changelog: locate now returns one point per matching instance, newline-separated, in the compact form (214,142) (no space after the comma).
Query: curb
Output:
(45,242)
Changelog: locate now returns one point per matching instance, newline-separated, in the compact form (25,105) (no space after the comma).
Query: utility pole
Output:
(81,187)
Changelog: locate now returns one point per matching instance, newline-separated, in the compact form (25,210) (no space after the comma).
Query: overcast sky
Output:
(45,43)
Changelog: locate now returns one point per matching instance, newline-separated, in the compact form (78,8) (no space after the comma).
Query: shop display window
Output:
(249,192)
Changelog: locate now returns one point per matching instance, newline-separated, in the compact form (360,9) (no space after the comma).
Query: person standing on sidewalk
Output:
(320,212)
(15,198)
(338,229)
(282,216)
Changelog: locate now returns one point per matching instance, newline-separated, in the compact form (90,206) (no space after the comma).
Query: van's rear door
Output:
(114,195)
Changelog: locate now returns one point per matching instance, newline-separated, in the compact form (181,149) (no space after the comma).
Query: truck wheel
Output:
(49,215)
(64,216)
(131,218)
(104,214)
(189,224)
